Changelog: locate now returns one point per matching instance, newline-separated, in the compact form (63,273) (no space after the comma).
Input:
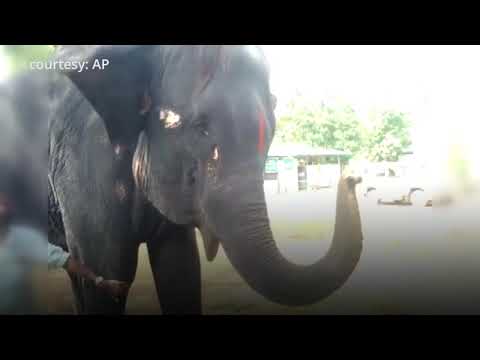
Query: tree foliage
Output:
(340,127)
(21,55)
(389,137)
(321,125)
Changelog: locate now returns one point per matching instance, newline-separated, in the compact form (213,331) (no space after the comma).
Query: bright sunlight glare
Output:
(438,86)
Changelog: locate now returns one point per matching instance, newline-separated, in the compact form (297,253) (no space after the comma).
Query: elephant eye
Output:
(202,127)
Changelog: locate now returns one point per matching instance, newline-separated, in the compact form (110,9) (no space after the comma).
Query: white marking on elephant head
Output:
(170,119)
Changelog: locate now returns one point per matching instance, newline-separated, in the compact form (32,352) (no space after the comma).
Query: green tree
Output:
(20,56)
(389,137)
(320,125)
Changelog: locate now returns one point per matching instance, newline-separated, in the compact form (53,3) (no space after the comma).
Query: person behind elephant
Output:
(23,230)
(22,249)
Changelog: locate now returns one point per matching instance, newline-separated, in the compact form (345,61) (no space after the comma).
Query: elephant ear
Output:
(113,78)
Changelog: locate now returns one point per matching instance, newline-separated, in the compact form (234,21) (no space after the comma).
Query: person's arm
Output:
(57,257)
(60,259)
(113,287)
(74,267)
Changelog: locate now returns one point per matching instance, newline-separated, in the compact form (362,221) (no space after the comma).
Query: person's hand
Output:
(115,288)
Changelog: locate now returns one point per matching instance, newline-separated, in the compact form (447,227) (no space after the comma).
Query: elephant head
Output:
(204,116)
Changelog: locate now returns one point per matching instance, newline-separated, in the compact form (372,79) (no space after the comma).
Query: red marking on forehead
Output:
(261,132)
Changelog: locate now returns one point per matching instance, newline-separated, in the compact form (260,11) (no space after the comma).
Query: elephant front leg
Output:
(79,304)
(175,265)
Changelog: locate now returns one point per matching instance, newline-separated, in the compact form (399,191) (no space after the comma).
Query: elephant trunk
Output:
(249,244)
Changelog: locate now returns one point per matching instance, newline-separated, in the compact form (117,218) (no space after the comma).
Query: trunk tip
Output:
(352,181)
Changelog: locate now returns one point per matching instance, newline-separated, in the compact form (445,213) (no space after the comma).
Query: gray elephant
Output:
(166,139)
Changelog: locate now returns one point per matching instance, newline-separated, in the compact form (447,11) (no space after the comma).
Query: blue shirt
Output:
(57,257)
(21,251)
(24,249)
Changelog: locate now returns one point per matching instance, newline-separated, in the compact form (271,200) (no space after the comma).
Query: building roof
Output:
(303,150)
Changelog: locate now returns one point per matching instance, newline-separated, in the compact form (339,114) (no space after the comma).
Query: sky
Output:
(437,86)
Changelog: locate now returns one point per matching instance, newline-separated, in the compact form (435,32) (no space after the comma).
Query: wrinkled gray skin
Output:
(23,149)
(122,174)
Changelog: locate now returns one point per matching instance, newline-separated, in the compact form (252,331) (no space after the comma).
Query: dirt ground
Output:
(415,261)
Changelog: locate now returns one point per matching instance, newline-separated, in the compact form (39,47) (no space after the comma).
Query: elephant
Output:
(167,139)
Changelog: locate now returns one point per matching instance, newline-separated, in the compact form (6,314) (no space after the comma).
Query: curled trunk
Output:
(249,244)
